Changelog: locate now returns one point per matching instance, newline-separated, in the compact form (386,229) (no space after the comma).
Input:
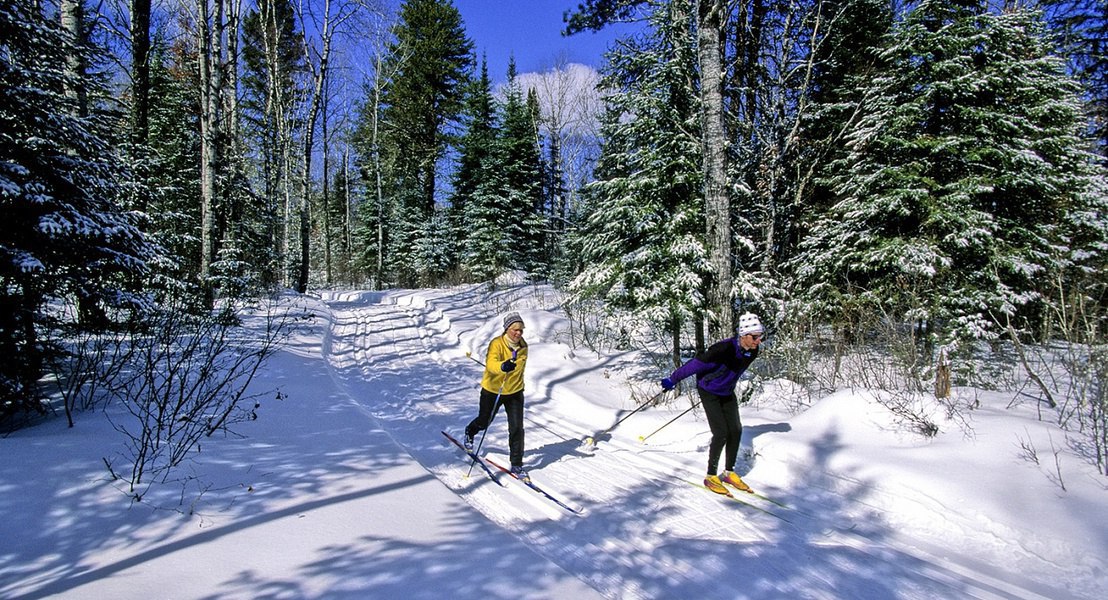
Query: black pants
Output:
(513,407)
(727,429)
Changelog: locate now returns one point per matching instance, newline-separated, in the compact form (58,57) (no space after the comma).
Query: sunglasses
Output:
(756,336)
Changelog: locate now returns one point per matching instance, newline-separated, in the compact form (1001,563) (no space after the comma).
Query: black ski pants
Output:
(727,430)
(513,407)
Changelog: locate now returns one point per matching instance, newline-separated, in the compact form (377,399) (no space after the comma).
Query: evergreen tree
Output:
(523,220)
(965,162)
(485,253)
(845,58)
(1081,29)
(476,149)
(641,246)
(64,238)
(174,177)
(431,58)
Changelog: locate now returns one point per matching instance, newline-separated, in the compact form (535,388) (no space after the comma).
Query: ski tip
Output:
(642,439)
(588,441)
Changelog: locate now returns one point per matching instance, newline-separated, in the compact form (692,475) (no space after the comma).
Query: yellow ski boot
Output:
(732,479)
(714,484)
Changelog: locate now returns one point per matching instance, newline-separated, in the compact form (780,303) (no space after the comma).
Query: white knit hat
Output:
(749,323)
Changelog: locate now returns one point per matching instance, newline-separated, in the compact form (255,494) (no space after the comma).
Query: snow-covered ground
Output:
(345,488)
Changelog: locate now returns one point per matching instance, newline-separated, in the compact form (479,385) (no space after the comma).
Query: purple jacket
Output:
(718,368)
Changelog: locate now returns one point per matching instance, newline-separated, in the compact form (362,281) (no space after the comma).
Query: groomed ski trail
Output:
(645,535)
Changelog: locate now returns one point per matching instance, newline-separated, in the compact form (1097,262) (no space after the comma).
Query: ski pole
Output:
(495,407)
(485,431)
(591,440)
(683,413)
(470,357)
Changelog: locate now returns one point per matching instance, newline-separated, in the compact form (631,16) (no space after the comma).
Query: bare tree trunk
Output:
(326,183)
(140,93)
(377,83)
(714,147)
(326,29)
(72,21)
(211,33)
(140,67)
(230,41)
(675,339)
(347,224)
(89,311)
(278,164)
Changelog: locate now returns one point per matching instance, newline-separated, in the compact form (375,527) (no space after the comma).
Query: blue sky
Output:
(531,30)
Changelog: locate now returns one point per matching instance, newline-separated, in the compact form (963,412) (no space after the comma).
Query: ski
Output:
(738,499)
(760,497)
(531,484)
(770,500)
(475,458)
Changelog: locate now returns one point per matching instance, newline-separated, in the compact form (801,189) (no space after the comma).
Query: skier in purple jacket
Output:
(717,371)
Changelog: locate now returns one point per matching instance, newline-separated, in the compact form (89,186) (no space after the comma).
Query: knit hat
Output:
(511,318)
(749,323)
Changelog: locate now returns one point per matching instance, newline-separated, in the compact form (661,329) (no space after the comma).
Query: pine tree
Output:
(64,238)
(174,177)
(707,18)
(845,59)
(1081,30)
(431,59)
(485,251)
(641,245)
(524,222)
(476,148)
(965,162)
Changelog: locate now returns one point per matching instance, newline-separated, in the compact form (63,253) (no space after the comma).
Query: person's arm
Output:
(701,363)
(695,366)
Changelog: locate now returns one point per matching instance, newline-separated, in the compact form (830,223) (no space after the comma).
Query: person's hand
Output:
(667,384)
(508,366)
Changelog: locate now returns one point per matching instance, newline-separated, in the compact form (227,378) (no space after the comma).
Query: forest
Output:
(922,182)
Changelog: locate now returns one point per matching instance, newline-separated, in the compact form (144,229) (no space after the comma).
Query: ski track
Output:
(643,533)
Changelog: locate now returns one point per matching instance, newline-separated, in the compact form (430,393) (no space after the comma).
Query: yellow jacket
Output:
(494,378)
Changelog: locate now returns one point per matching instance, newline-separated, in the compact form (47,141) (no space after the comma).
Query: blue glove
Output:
(667,384)
(508,366)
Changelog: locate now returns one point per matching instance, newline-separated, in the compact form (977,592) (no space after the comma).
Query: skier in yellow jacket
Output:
(502,384)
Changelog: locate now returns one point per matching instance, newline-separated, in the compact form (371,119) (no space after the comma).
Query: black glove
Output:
(508,366)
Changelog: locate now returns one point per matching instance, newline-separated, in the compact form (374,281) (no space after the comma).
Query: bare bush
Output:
(187,377)
(86,368)
(866,347)
(1069,375)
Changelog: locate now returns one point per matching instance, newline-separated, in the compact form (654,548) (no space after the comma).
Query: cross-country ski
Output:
(531,484)
(474,459)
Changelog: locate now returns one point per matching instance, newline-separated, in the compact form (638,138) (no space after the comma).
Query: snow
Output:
(344,487)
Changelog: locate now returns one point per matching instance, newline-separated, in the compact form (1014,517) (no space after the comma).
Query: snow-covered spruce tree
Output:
(843,53)
(64,238)
(640,244)
(707,20)
(429,62)
(469,223)
(498,202)
(485,251)
(965,162)
(1081,30)
(523,220)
